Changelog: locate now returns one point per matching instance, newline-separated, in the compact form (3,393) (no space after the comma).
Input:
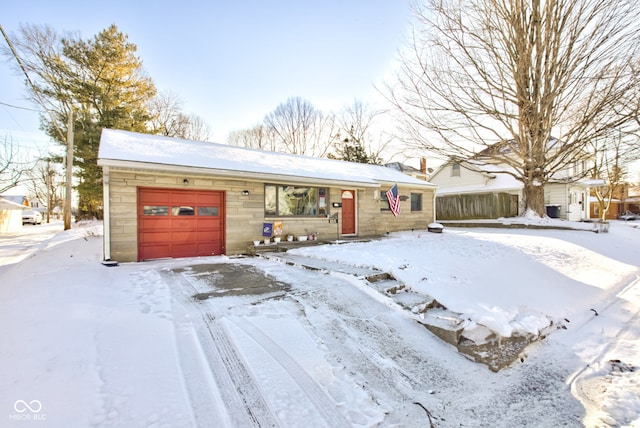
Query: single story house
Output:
(10,214)
(615,208)
(469,192)
(167,197)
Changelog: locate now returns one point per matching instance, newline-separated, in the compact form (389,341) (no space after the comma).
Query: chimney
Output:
(423,166)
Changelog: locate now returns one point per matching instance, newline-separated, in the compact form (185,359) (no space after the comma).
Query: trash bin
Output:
(553,211)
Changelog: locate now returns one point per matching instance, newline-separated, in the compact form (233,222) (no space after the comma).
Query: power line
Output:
(36,92)
(21,108)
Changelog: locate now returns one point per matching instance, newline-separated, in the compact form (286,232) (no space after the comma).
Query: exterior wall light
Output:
(245,193)
(185,181)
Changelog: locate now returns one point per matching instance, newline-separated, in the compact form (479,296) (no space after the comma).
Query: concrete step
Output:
(322,265)
(445,324)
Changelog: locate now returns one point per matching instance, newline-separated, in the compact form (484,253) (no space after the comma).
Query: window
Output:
(208,211)
(155,210)
(384,204)
(416,202)
(295,200)
(455,170)
(182,211)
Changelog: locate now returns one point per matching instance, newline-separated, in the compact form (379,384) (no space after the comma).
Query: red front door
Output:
(348,212)
(180,223)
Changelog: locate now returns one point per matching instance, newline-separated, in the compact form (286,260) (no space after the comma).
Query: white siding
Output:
(443,178)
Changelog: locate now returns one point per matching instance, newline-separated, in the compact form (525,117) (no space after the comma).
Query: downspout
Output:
(106,214)
(434,205)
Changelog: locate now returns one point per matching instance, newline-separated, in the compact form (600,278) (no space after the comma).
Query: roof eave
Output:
(244,175)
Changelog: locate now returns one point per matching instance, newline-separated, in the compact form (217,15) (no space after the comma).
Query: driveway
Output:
(323,349)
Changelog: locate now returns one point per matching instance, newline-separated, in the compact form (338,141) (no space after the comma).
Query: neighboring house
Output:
(620,202)
(18,199)
(421,173)
(632,201)
(10,214)
(480,191)
(166,197)
(615,208)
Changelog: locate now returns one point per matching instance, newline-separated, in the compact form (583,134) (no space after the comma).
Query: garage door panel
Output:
(180,223)
(208,225)
(183,236)
(184,198)
(148,224)
(155,237)
(151,196)
(207,248)
(208,235)
(156,251)
(184,248)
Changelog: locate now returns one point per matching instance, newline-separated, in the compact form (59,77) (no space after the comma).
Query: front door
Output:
(348,212)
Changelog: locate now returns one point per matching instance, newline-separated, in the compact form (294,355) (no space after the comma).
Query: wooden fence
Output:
(482,206)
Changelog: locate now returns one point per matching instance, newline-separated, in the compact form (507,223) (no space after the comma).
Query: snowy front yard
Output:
(129,346)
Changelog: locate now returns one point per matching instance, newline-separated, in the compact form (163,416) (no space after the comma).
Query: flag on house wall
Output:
(394,200)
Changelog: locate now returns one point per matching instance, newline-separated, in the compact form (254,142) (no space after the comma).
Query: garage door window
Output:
(208,211)
(155,210)
(182,211)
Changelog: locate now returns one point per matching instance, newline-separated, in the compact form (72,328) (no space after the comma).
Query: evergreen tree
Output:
(100,80)
(351,151)
(111,91)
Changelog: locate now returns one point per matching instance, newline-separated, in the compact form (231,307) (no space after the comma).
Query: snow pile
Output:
(507,281)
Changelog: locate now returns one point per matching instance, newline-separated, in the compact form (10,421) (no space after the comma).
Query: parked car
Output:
(31,217)
(629,216)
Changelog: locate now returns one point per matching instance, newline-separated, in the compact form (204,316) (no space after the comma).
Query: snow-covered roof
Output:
(7,204)
(131,149)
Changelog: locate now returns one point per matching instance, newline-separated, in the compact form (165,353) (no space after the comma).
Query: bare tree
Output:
(43,182)
(300,128)
(11,168)
(503,77)
(169,120)
(257,137)
(354,140)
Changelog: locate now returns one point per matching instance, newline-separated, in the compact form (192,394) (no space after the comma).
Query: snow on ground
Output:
(127,346)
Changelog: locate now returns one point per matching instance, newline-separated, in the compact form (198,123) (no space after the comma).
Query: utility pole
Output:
(69,173)
(48,179)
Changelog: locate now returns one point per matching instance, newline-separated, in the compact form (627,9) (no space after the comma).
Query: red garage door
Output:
(180,223)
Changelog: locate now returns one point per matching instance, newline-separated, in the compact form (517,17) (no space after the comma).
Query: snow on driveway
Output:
(129,346)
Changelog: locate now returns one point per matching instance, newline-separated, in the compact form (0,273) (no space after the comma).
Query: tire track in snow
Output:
(392,376)
(325,406)
(221,377)
(577,380)
(236,377)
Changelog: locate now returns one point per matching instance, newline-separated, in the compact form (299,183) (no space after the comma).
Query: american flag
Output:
(394,200)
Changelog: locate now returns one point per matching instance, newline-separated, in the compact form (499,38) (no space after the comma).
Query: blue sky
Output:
(231,62)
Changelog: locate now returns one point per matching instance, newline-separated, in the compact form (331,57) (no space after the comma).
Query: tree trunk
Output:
(534,199)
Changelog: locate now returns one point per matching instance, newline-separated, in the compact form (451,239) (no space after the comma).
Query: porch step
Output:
(321,265)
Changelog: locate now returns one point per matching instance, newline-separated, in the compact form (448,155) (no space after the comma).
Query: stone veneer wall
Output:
(245,214)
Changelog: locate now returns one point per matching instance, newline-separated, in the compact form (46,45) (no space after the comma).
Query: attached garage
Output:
(180,223)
